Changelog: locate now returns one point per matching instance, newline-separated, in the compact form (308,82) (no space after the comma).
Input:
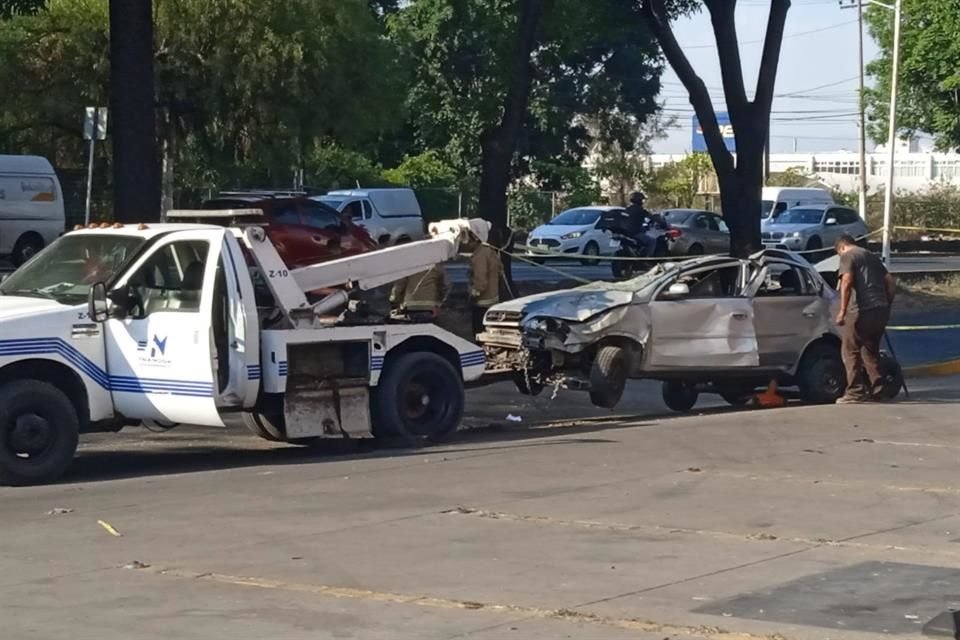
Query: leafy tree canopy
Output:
(929,83)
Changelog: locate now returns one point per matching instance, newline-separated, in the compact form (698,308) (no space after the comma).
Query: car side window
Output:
(286,214)
(701,222)
(170,280)
(367,210)
(846,216)
(713,222)
(722,225)
(711,283)
(320,217)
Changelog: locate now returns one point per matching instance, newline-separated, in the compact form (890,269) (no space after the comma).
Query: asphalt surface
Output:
(803,522)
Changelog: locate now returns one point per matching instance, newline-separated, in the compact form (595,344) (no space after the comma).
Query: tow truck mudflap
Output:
(334,411)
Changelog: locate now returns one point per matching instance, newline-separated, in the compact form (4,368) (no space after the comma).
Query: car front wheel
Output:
(821,377)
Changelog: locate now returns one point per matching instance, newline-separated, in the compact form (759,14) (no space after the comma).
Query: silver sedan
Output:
(693,232)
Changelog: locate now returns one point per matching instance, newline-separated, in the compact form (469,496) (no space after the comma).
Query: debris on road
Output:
(512,418)
(59,511)
(108,528)
(136,564)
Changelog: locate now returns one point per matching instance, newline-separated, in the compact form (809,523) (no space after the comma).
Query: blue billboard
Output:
(726,130)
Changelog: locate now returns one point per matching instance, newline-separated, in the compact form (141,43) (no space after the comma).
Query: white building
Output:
(912,171)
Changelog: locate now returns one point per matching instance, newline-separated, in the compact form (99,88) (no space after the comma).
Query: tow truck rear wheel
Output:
(679,396)
(39,430)
(420,396)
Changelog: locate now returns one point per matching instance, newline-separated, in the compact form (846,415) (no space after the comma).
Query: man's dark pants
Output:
(862,333)
(476,318)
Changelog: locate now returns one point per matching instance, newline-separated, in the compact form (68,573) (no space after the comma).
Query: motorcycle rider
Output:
(639,220)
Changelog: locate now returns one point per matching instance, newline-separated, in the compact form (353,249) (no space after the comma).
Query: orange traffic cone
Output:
(770,398)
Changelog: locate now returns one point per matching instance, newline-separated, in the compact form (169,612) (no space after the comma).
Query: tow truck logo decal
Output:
(125,384)
(160,345)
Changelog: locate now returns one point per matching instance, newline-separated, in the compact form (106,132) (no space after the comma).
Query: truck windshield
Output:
(67,269)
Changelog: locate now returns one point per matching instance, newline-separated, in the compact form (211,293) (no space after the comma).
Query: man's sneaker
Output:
(852,400)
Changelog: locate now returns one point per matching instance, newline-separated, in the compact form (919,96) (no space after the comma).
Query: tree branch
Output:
(723,18)
(659,20)
(766,79)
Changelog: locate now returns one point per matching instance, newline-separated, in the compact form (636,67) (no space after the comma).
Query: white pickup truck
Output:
(160,324)
(388,215)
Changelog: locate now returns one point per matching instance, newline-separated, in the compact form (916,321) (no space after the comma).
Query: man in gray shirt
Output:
(866,294)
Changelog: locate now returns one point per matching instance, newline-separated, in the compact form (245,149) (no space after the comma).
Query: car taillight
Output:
(673,234)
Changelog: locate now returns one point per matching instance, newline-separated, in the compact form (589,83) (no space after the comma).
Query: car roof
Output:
(821,206)
(25,164)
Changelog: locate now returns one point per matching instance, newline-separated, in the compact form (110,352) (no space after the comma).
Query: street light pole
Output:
(892,137)
(863,122)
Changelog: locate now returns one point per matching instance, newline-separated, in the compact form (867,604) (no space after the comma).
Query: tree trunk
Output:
(136,170)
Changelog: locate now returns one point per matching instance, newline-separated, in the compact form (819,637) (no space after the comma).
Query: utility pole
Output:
(863,121)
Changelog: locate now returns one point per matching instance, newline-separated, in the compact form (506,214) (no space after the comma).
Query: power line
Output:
(786,36)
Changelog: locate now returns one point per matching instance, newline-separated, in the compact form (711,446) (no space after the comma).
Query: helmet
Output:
(637,197)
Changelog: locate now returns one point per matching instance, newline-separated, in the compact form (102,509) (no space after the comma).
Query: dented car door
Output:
(709,325)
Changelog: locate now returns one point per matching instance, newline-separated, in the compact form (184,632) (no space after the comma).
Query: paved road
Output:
(805,522)
(534,273)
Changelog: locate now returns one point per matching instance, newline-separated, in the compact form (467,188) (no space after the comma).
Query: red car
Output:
(304,231)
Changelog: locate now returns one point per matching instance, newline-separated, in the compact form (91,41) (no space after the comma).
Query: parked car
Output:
(305,232)
(31,207)
(713,324)
(692,232)
(811,227)
(776,200)
(389,215)
(575,232)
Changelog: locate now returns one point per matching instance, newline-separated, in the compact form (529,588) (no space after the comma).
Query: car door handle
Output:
(738,315)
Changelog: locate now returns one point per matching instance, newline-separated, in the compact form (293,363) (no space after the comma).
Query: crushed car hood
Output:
(575,305)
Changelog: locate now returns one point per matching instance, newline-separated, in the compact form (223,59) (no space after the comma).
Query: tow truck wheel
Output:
(38,432)
(262,426)
(608,377)
(679,396)
(821,377)
(420,395)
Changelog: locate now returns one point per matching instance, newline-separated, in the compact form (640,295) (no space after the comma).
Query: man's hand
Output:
(841,318)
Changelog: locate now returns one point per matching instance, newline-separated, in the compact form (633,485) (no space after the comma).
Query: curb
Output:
(945,368)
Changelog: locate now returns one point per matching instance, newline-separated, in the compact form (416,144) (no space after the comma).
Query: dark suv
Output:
(304,231)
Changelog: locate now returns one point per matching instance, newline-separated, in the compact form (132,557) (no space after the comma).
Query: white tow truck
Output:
(203,324)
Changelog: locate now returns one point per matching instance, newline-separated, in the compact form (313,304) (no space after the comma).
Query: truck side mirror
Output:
(98,308)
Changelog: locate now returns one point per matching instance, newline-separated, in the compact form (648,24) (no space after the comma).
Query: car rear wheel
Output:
(623,269)
(679,396)
(591,249)
(27,246)
(608,377)
(814,243)
(821,377)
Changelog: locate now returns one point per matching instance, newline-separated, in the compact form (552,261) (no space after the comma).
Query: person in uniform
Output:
(486,271)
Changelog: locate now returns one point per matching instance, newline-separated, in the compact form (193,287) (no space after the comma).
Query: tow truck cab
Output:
(159,324)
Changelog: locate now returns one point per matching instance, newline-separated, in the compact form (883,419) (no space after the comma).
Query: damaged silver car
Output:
(710,325)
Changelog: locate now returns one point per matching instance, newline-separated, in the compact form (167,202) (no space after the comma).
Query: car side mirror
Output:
(97,307)
(4,277)
(831,222)
(678,290)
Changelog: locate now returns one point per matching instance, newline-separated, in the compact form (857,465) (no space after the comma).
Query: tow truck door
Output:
(162,356)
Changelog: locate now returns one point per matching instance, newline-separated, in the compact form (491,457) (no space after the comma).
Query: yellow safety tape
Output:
(923,327)
(942,229)
(946,368)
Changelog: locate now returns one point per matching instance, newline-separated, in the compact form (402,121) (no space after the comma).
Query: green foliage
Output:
(427,169)
(929,90)
(677,184)
(792,177)
(595,58)
(247,90)
(333,167)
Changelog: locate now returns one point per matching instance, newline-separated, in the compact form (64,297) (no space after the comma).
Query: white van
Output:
(776,200)
(31,207)
(388,215)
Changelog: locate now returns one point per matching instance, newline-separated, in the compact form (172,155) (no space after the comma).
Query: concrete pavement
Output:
(804,522)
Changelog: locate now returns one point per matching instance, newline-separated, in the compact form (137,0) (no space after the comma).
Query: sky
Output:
(816,94)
